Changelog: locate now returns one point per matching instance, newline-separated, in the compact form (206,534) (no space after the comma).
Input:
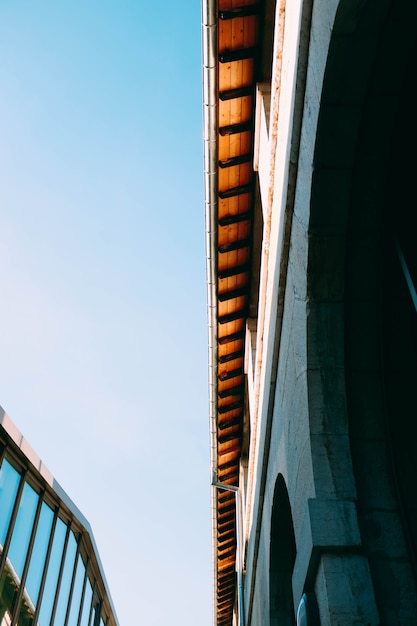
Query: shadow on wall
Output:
(282,558)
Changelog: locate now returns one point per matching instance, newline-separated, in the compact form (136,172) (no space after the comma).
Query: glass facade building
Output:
(50,572)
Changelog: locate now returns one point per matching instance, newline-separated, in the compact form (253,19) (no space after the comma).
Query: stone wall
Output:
(303,426)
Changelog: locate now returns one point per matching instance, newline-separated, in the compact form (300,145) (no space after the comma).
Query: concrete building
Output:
(50,571)
(309,138)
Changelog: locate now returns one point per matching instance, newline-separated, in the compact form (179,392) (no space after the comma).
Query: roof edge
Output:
(209,37)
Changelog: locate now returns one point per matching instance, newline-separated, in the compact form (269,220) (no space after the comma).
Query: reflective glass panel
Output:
(88,596)
(77,593)
(52,575)
(26,611)
(23,528)
(40,547)
(66,581)
(18,546)
(9,482)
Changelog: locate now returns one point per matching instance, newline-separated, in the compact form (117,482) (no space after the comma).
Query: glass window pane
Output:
(23,528)
(40,547)
(9,482)
(77,592)
(52,575)
(26,612)
(12,573)
(88,596)
(66,581)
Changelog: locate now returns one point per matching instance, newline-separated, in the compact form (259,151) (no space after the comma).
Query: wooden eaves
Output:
(230,54)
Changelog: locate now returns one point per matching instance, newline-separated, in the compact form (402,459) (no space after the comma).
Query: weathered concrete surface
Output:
(329,443)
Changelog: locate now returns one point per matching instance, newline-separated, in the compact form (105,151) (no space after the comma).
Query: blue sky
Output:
(102,275)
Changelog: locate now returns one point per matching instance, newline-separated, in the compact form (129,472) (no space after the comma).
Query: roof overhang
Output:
(230,61)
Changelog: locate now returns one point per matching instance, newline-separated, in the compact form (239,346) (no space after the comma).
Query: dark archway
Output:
(399,311)
(381,332)
(362,330)
(281,558)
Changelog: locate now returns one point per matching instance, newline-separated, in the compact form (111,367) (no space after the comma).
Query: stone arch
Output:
(365,127)
(281,558)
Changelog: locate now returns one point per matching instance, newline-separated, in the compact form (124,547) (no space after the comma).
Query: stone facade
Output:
(330,471)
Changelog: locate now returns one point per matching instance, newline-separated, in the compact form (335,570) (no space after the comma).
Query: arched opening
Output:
(363,325)
(399,311)
(281,558)
(381,322)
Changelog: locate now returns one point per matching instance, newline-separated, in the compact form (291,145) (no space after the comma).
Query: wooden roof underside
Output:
(237,29)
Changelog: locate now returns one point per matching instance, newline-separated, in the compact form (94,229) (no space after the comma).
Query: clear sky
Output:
(103,328)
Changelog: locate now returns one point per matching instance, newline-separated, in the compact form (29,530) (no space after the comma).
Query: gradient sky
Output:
(103,328)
